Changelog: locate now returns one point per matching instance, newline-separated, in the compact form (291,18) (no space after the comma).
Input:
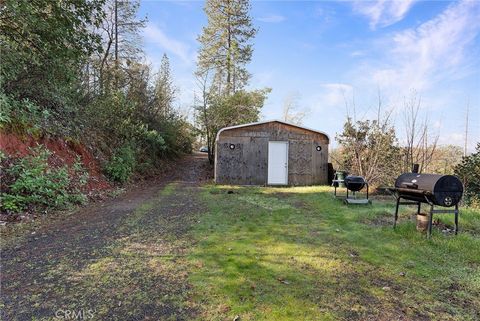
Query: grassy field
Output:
(206,252)
(299,254)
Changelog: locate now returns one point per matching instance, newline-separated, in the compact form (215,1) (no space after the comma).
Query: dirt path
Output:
(117,260)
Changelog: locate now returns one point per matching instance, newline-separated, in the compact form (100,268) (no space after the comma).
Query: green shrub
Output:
(154,140)
(121,165)
(22,116)
(5,110)
(177,134)
(80,173)
(13,203)
(146,168)
(30,183)
(469,172)
(113,120)
(152,145)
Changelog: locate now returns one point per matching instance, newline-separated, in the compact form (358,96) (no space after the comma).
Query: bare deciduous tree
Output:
(120,34)
(291,111)
(369,147)
(420,142)
(204,119)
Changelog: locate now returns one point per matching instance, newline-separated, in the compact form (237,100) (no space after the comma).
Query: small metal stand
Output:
(347,199)
(336,183)
(430,216)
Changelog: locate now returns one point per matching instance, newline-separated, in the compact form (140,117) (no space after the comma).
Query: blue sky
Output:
(328,52)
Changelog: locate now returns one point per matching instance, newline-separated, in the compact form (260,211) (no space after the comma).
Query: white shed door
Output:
(278,163)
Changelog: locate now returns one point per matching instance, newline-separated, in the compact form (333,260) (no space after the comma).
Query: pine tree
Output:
(225,44)
(225,50)
(164,89)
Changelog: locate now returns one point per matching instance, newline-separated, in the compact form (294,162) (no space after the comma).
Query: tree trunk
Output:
(229,58)
(116,44)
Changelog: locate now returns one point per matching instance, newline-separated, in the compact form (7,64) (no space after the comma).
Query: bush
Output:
(113,120)
(152,143)
(22,116)
(177,134)
(469,172)
(30,183)
(121,165)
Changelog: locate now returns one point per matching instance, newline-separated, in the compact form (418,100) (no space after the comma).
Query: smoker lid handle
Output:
(416,191)
(410,185)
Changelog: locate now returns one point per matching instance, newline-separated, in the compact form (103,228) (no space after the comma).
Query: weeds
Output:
(122,164)
(31,184)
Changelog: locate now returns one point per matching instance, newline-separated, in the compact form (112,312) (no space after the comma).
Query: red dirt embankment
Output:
(63,153)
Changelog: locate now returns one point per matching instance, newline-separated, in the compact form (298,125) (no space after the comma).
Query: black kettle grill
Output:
(353,184)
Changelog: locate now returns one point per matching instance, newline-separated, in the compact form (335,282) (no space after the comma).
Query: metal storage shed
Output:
(271,153)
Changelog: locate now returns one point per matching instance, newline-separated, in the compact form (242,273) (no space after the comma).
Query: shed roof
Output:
(271,121)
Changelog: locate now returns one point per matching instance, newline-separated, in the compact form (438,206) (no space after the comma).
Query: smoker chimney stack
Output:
(415,168)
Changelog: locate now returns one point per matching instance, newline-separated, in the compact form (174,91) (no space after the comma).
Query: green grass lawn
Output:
(193,252)
(299,254)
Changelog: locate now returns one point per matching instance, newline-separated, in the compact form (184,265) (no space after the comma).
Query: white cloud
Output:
(327,14)
(357,53)
(334,94)
(153,34)
(383,12)
(327,97)
(272,18)
(436,50)
(429,58)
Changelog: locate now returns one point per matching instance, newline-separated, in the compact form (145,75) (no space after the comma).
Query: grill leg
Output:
(456,219)
(419,207)
(396,213)
(430,222)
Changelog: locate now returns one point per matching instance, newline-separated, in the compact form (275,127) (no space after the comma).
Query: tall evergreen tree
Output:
(164,89)
(225,44)
(225,50)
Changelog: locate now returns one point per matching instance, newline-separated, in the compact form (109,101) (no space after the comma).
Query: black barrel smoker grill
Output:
(353,184)
(432,189)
